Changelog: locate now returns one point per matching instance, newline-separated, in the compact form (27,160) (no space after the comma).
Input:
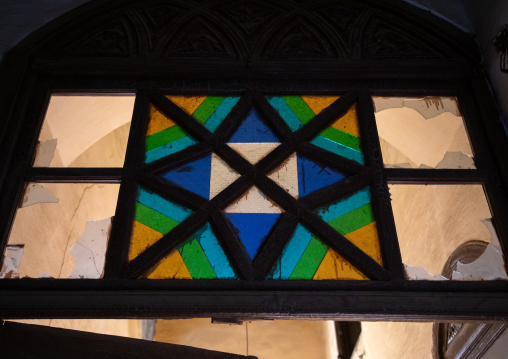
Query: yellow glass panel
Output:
(142,238)
(367,239)
(188,103)
(158,121)
(319,103)
(171,267)
(335,267)
(348,123)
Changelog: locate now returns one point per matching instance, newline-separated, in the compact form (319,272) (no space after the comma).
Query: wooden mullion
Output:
(380,195)
(330,159)
(170,191)
(233,119)
(433,176)
(322,120)
(177,159)
(336,191)
(273,246)
(233,159)
(119,239)
(238,255)
(271,116)
(75,175)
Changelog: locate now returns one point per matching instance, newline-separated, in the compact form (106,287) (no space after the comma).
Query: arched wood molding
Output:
(249,31)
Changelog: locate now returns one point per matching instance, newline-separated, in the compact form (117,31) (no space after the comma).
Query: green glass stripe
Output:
(164,137)
(353,220)
(299,107)
(205,110)
(341,137)
(153,219)
(195,259)
(310,260)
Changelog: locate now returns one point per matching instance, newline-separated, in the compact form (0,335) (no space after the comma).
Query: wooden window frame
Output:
(31,74)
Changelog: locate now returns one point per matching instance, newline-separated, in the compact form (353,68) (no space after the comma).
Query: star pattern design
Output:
(296,210)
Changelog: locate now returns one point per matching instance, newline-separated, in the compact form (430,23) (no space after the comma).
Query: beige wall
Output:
(279,339)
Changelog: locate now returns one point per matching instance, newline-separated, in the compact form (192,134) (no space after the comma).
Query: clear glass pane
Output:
(422,133)
(433,221)
(61,231)
(85,131)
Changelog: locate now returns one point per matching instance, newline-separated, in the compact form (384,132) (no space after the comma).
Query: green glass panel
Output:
(310,260)
(205,110)
(195,259)
(341,137)
(353,220)
(164,137)
(299,107)
(153,219)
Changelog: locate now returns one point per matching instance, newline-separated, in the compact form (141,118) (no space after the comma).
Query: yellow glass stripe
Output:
(367,239)
(171,267)
(349,122)
(158,121)
(187,103)
(335,267)
(319,103)
(142,238)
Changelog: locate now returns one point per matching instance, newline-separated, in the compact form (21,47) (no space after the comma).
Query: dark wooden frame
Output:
(30,76)
(55,343)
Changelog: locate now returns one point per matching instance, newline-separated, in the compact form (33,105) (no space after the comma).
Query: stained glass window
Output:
(263,187)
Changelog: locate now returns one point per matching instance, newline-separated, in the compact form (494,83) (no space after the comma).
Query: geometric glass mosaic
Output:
(254,188)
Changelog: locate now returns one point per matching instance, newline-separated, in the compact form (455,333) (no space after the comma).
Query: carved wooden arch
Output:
(250,30)
(289,47)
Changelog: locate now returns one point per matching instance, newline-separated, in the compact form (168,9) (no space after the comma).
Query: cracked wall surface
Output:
(49,230)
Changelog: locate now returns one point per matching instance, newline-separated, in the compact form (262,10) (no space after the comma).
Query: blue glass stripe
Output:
(169,149)
(285,112)
(220,113)
(338,149)
(215,254)
(337,209)
(292,253)
(159,204)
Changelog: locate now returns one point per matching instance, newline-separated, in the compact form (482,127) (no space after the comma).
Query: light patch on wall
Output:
(12,260)
(420,273)
(45,153)
(90,250)
(35,194)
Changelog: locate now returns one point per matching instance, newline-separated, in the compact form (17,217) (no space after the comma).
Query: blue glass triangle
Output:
(313,176)
(253,130)
(193,176)
(252,228)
